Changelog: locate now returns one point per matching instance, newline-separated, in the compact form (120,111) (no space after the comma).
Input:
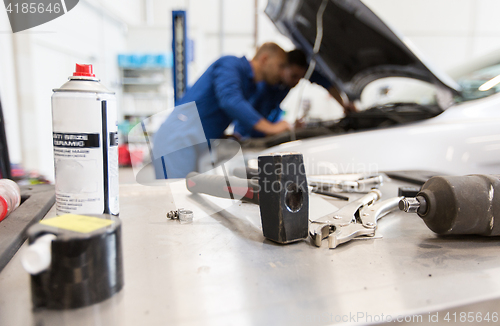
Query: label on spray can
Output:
(85,140)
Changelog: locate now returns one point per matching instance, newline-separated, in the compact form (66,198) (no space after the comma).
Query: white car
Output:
(452,126)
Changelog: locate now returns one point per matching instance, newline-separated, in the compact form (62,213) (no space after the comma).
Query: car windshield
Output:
(476,81)
(480,83)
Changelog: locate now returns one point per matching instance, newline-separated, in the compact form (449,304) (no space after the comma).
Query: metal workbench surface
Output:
(220,270)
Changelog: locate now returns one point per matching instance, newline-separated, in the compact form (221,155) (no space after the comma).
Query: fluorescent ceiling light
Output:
(489,84)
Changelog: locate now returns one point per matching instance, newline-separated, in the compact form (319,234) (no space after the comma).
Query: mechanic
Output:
(268,98)
(221,95)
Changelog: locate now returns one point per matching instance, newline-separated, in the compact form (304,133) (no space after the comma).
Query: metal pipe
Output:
(256,25)
(149,12)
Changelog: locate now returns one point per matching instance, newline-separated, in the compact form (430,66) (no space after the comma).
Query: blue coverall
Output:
(219,97)
(267,102)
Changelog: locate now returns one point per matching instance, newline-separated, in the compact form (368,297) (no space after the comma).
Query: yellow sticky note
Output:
(77,223)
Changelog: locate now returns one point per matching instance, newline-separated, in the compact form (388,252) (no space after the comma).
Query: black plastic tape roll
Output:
(86,261)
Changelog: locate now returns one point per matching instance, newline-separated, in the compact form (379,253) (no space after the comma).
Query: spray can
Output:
(85,139)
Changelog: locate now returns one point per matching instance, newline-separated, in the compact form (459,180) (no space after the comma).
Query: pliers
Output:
(354,220)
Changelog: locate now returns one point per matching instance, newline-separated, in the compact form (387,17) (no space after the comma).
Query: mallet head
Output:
(283,196)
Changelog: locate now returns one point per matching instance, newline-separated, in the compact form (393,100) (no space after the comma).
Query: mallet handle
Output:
(224,187)
(246,173)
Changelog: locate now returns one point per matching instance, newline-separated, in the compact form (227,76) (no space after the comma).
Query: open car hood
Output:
(357,46)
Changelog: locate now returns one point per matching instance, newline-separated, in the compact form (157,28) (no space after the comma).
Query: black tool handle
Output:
(224,187)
